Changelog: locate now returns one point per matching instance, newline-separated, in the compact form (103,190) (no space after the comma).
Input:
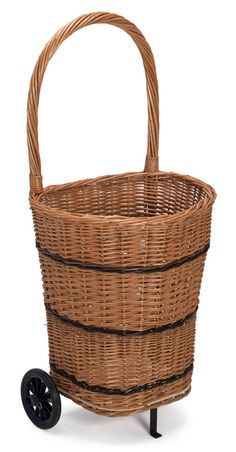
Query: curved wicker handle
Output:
(37,78)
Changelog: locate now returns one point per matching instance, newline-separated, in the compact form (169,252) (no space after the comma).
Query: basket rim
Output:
(37,204)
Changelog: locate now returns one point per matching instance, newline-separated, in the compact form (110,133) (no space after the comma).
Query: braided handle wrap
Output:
(151,165)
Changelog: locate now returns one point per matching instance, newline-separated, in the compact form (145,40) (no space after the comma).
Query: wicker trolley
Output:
(122,259)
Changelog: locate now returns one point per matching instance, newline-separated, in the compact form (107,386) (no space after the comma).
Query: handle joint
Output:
(36,184)
(151,164)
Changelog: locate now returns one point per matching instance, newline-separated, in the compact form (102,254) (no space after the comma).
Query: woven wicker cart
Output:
(122,259)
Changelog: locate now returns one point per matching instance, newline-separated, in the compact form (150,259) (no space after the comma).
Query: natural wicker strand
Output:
(38,74)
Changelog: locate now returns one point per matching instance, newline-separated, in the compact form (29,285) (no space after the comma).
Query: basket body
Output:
(121,274)
(122,259)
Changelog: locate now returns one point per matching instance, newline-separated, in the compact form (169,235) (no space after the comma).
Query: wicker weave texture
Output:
(122,259)
(119,362)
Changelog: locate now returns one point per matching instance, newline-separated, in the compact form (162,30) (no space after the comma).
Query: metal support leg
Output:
(153,424)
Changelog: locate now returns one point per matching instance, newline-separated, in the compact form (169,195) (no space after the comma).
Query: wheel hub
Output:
(35,401)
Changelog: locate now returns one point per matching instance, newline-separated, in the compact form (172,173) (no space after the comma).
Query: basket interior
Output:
(134,195)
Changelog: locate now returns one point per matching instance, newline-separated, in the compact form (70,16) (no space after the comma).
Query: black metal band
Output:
(109,269)
(100,329)
(118,391)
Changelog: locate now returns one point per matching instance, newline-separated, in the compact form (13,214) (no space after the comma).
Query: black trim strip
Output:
(118,391)
(100,329)
(106,268)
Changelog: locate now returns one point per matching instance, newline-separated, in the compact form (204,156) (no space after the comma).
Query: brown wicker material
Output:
(122,259)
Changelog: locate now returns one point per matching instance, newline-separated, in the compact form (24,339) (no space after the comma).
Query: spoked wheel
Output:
(40,399)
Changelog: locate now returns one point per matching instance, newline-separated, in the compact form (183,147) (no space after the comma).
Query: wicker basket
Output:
(122,259)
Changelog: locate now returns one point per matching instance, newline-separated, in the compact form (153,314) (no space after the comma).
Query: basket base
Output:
(117,405)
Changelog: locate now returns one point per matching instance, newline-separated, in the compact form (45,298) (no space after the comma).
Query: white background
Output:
(93,121)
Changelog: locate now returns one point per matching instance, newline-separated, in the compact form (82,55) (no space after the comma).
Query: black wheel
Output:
(40,398)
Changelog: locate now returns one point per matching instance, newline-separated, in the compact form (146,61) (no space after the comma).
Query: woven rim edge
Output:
(37,204)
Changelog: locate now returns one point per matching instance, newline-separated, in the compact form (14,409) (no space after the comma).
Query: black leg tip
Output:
(156,434)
